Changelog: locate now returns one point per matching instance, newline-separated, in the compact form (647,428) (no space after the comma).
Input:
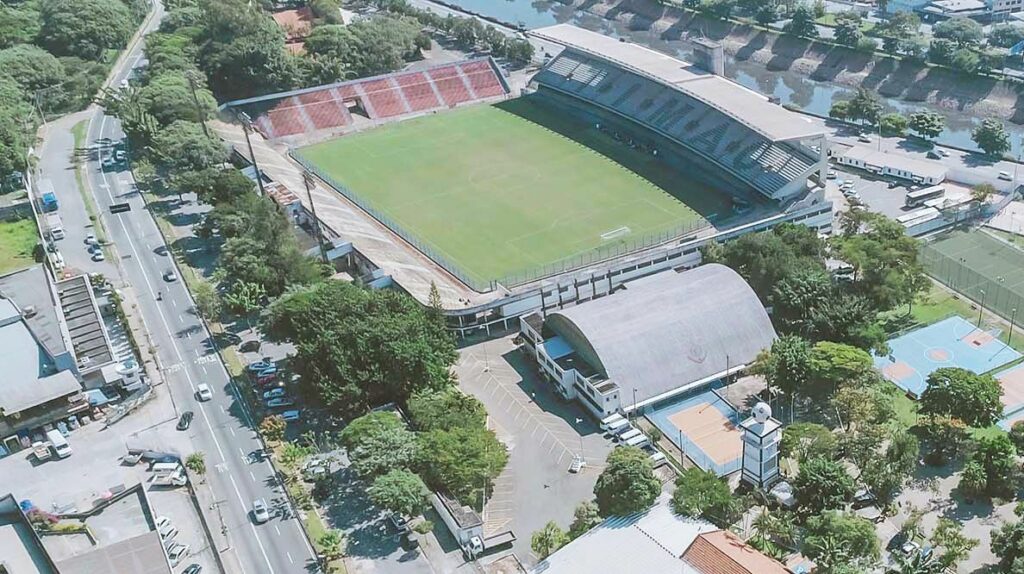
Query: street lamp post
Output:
(1013,317)
(981,308)
(307,179)
(634,404)
(246,126)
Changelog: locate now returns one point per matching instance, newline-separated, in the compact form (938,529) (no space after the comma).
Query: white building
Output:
(652,339)
(919,171)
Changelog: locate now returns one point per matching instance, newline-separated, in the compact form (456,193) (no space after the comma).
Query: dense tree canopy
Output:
(822,484)
(701,494)
(357,347)
(884,258)
(959,393)
(836,540)
(214,186)
(446,409)
(462,461)
(627,484)
(991,137)
(927,124)
(19,24)
(963,31)
(32,67)
(399,491)
(168,97)
(84,28)
(184,145)
(378,443)
(805,440)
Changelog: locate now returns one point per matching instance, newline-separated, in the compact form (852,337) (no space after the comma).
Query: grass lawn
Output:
(507,189)
(18,239)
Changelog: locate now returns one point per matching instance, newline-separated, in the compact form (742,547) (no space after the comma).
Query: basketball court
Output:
(705,427)
(952,342)
(1012,381)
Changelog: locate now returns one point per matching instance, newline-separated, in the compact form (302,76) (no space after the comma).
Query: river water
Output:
(812,96)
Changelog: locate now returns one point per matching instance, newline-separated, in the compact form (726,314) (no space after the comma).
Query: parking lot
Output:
(876,192)
(542,433)
(94,469)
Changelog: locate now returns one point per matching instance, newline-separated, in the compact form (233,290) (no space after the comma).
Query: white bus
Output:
(916,198)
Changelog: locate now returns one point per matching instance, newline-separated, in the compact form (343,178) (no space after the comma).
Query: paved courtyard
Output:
(542,433)
(63,485)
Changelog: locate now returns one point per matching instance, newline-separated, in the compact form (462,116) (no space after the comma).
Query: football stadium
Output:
(612,161)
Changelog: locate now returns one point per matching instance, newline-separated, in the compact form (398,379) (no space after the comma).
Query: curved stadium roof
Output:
(669,330)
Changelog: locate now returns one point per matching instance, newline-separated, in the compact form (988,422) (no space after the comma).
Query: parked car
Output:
(831,174)
(1005,175)
(265,380)
(185,421)
(257,366)
(279,403)
(275,393)
(260,514)
(291,416)
(90,239)
(168,532)
(204,392)
(315,468)
(251,346)
(192,569)
(178,552)
(161,521)
(98,255)
(170,276)
(864,138)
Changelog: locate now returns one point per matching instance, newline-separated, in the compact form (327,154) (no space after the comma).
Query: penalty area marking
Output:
(615,233)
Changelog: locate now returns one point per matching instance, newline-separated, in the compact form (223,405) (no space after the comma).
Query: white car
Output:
(259,511)
(204,392)
(161,521)
(864,139)
(290,416)
(98,255)
(170,276)
(277,393)
(1005,175)
(176,553)
(90,239)
(279,402)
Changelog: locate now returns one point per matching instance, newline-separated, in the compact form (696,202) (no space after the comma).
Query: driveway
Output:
(542,433)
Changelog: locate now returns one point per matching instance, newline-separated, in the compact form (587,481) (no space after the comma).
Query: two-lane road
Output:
(223,428)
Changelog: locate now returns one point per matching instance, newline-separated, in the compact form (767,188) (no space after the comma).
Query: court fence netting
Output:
(987,291)
(611,250)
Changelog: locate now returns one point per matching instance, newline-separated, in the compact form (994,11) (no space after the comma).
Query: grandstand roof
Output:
(668,330)
(745,106)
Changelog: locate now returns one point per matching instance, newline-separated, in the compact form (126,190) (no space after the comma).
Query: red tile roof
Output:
(722,552)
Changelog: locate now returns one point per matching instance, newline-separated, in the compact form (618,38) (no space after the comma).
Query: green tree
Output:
(847,30)
(701,494)
(766,14)
(959,393)
(1005,35)
(840,110)
(998,458)
(547,540)
(962,31)
(941,50)
(363,429)
(886,475)
(357,347)
(384,451)
(822,484)
(833,365)
(991,137)
(836,539)
(446,409)
(945,436)
(894,124)
(214,186)
(272,428)
(627,484)
(399,491)
(802,23)
(966,60)
(208,301)
(332,544)
(927,124)
(196,462)
(1017,435)
(786,366)
(385,43)
(954,547)
(183,145)
(168,97)
(31,67)
(915,563)
(865,107)
(245,298)
(585,517)
(899,28)
(84,28)
(461,460)
(1008,544)
(19,24)
(804,440)
(982,192)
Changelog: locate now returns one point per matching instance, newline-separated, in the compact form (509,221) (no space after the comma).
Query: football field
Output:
(514,188)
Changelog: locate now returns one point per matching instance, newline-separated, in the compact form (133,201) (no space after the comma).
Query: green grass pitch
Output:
(510,188)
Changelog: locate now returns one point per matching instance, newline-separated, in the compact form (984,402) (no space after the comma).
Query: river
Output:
(798,91)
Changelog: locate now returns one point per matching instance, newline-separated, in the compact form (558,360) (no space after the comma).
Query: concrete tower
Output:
(761,436)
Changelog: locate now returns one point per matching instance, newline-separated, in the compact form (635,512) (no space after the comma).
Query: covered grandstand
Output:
(759,143)
(334,108)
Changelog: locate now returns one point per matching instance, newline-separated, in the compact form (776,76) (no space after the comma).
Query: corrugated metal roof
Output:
(648,542)
(745,106)
(670,329)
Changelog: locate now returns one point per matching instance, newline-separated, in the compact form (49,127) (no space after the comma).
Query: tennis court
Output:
(952,342)
(987,269)
(506,191)
(1012,382)
(705,427)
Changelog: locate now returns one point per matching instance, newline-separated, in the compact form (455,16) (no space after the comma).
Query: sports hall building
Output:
(650,340)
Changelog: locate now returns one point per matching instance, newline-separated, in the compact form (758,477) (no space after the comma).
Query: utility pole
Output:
(307,179)
(1013,317)
(246,126)
(195,99)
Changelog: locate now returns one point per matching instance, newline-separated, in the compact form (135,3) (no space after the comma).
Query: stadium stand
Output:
(331,107)
(767,155)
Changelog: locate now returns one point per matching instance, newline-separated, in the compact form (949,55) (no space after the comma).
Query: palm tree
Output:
(917,563)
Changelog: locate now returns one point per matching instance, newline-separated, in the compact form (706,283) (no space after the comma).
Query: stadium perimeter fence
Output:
(596,255)
(989,292)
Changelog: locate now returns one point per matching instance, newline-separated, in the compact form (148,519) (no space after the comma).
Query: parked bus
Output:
(917,198)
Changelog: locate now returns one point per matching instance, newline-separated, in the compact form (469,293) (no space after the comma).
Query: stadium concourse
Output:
(765,164)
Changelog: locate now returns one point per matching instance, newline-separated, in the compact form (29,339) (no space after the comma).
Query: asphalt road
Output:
(223,428)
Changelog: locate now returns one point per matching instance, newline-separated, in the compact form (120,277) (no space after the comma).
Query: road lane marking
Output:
(253,527)
(278,530)
(289,555)
(252,476)
(232,431)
